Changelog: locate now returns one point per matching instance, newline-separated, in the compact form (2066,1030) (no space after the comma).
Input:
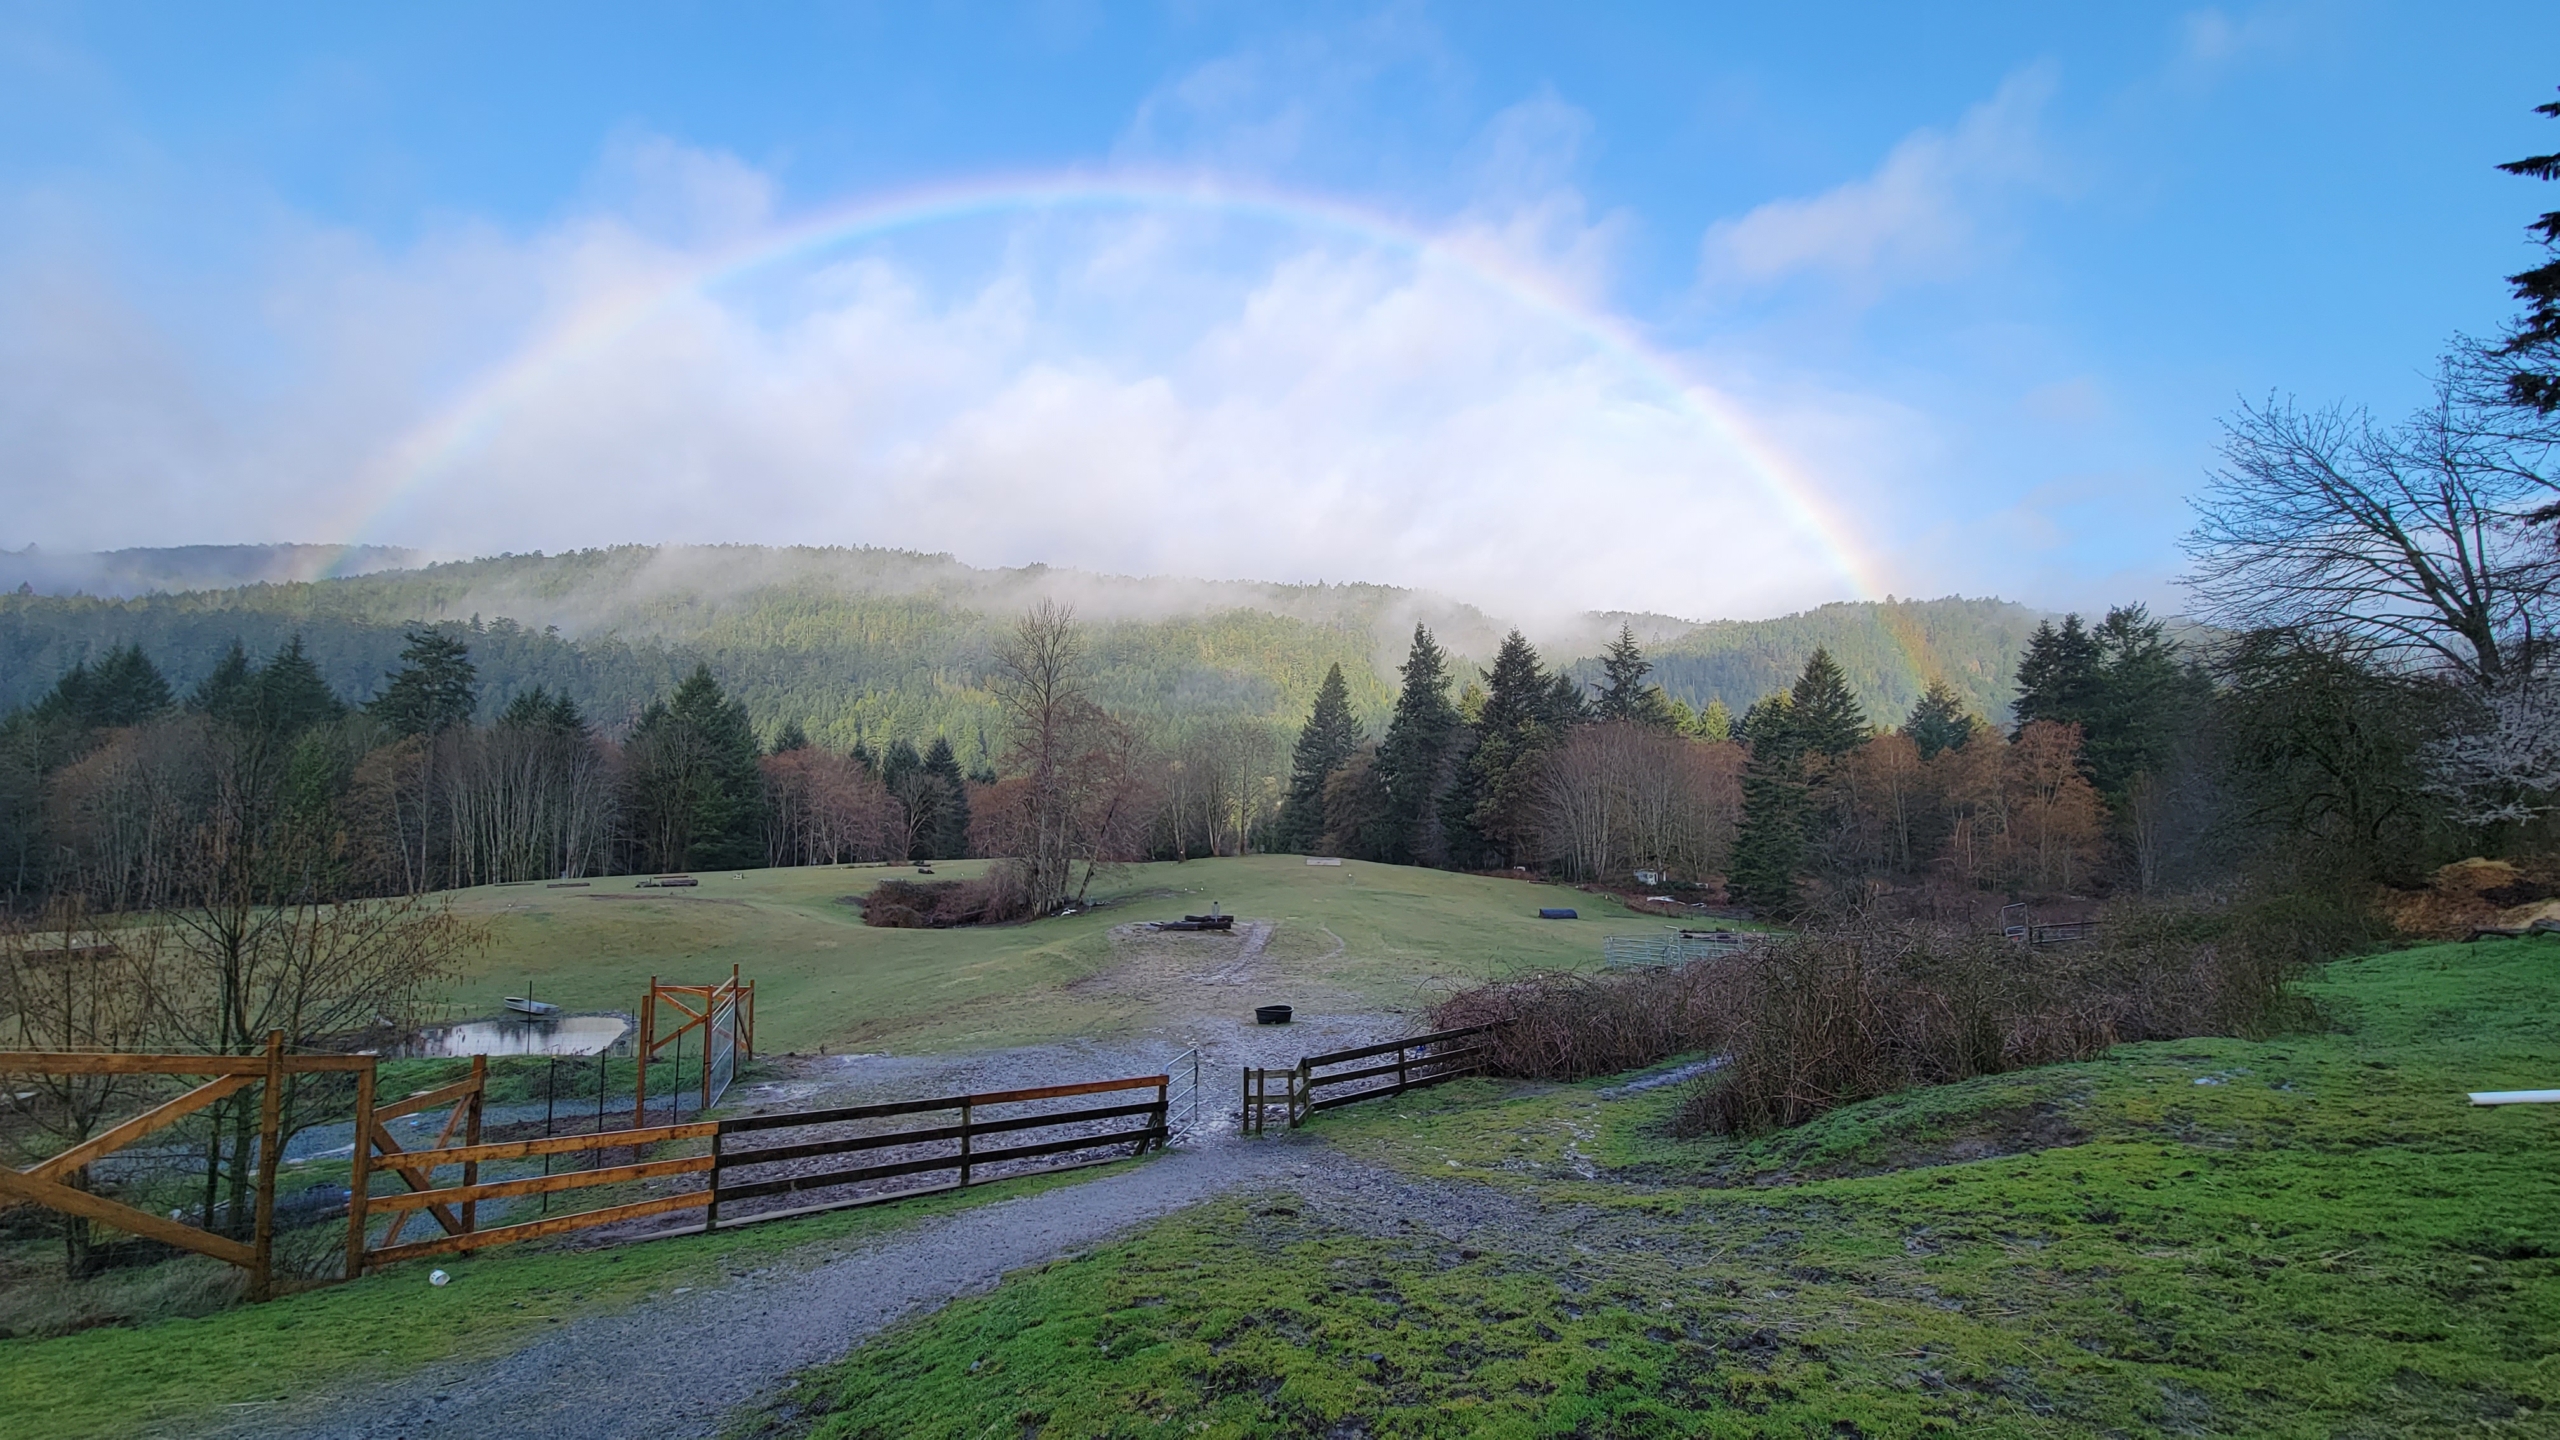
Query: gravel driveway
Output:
(676,1367)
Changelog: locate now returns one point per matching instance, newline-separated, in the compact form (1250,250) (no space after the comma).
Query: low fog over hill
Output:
(865,642)
(180,568)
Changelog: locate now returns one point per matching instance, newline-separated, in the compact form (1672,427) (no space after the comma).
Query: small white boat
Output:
(535,1008)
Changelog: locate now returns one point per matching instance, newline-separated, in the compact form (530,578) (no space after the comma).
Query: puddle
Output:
(567,1035)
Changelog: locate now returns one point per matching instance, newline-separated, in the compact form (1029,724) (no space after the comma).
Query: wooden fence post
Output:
(471,1136)
(1301,1094)
(360,1173)
(640,1053)
(1164,1113)
(1244,1106)
(964,1142)
(711,1207)
(270,1125)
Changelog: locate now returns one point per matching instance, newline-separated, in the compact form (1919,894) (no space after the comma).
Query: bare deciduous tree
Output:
(67,983)
(1622,795)
(2410,543)
(2502,766)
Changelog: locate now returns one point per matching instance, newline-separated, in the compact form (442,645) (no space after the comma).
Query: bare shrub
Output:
(1569,1025)
(942,904)
(1868,1007)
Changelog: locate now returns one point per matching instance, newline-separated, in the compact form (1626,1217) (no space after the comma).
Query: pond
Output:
(564,1035)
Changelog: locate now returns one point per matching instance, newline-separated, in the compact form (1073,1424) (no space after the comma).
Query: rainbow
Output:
(430,449)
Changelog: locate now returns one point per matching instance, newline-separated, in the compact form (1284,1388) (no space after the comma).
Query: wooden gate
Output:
(724,1015)
(1034,1141)
(733,1175)
(1418,1060)
(43,1182)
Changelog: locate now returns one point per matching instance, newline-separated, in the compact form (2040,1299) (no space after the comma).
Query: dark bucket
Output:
(1271,1014)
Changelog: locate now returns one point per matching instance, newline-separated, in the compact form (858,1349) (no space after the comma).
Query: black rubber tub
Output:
(1271,1014)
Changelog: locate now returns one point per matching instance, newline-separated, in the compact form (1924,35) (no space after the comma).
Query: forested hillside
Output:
(177,568)
(860,644)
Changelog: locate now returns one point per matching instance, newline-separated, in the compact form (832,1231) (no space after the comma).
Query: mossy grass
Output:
(1359,934)
(179,1375)
(2313,1235)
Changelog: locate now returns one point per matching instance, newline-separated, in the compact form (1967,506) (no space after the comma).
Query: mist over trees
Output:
(2367,693)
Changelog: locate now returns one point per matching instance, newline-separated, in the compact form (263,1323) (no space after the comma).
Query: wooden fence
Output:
(1036,1138)
(724,1014)
(731,1175)
(930,1149)
(1419,1060)
(43,1182)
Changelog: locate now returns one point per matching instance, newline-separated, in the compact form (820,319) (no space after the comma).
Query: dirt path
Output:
(675,1367)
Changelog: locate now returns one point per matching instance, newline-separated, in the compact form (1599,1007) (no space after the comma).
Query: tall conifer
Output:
(951,813)
(1414,758)
(1775,807)
(2058,676)
(1938,720)
(1824,716)
(1624,695)
(1524,715)
(435,688)
(1331,736)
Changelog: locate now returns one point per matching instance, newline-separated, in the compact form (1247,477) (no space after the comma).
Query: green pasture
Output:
(303,1353)
(2311,1236)
(1394,936)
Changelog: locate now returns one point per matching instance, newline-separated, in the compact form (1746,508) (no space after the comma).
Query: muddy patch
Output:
(1987,1135)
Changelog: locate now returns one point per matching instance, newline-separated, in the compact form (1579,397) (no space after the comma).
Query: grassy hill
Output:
(2310,1236)
(879,643)
(2307,1236)
(1378,936)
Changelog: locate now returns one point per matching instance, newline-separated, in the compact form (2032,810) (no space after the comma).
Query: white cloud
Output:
(2211,40)
(1130,395)
(1924,214)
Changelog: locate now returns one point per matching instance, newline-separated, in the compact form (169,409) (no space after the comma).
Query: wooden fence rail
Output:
(47,1182)
(950,1147)
(1419,1060)
(639,1156)
(729,1173)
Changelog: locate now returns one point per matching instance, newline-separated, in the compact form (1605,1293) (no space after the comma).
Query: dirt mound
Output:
(2475,892)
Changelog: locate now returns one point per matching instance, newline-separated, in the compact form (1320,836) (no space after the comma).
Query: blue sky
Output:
(1711,310)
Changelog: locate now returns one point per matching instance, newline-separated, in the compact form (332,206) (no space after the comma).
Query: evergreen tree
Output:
(223,693)
(124,689)
(902,772)
(1414,757)
(951,815)
(1715,723)
(698,792)
(2058,676)
(2138,710)
(277,700)
(1776,806)
(863,757)
(1938,721)
(1524,715)
(1824,718)
(539,709)
(1331,735)
(2532,347)
(1624,695)
(435,688)
(898,762)
(527,711)
(791,737)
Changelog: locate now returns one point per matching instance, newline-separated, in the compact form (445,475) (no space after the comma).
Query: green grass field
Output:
(2313,1236)
(180,1376)
(825,978)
